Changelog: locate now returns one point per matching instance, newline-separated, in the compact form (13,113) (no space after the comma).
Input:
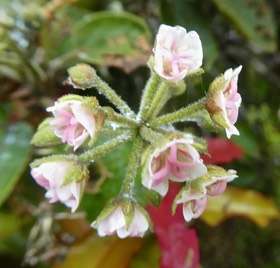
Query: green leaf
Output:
(189,15)
(253,19)
(59,29)
(104,38)
(14,155)
(108,38)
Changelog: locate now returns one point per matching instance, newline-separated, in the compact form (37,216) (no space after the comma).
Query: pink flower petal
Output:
(176,52)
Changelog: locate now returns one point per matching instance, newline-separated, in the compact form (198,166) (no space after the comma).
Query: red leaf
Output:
(222,151)
(178,244)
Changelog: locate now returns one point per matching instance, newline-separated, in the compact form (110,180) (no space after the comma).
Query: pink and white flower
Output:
(177,160)
(229,101)
(73,123)
(194,203)
(194,208)
(115,222)
(177,52)
(219,184)
(51,176)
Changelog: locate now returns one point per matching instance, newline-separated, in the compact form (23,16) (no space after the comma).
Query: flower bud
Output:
(81,76)
(64,179)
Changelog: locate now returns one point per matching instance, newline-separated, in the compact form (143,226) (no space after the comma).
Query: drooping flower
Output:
(73,122)
(223,103)
(116,222)
(193,209)
(219,183)
(194,203)
(53,177)
(177,52)
(177,160)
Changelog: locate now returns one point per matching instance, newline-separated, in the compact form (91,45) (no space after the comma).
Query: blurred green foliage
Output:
(40,39)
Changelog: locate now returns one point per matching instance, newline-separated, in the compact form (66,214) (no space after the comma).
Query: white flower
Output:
(176,52)
(223,102)
(177,160)
(73,123)
(51,176)
(115,222)
(194,203)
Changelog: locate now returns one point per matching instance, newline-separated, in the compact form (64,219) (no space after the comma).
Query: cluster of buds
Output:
(161,151)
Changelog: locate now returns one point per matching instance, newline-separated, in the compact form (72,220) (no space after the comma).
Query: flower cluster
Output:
(161,151)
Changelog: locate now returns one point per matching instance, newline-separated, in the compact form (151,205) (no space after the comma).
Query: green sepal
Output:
(100,114)
(128,210)
(195,73)
(200,145)
(219,120)
(178,196)
(215,112)
(52,158)
(215,170)
(177,88)
(77,172)
(71,97)
(44,136)
(151,196)
(151,63)
(218,172)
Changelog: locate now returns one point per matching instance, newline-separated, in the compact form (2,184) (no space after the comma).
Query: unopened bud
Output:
(81,76)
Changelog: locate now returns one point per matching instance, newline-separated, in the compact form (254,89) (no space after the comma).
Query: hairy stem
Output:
(161,96)
(148,95)
(132,167)
(179,115)
(103,149)
(112,96)
(150,135)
